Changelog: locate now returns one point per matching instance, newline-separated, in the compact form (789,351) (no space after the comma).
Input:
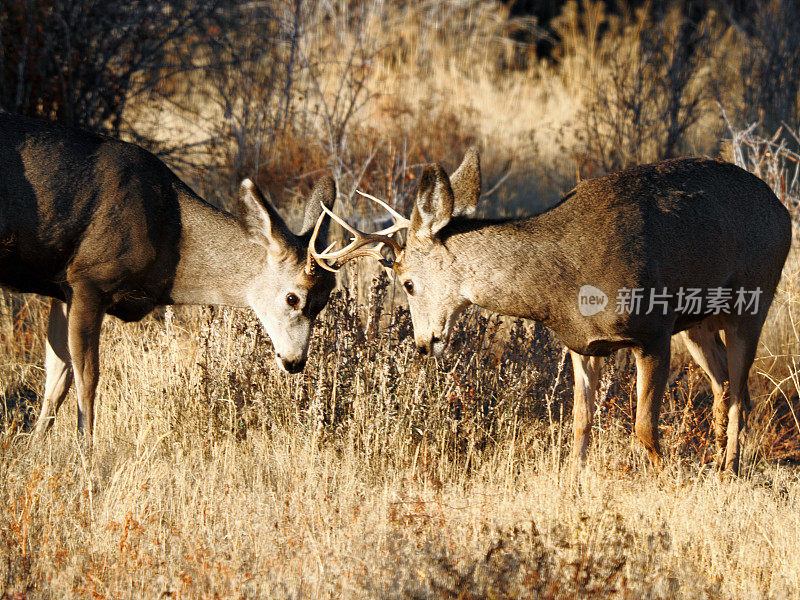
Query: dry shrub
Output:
(315,87)
(645,79)
(770,65)
(82,63)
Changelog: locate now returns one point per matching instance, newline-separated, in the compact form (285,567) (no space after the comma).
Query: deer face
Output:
(286,301)
(289,290)
(432,285)
(428,270)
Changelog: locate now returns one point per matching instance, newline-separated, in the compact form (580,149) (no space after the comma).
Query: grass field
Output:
(377,473)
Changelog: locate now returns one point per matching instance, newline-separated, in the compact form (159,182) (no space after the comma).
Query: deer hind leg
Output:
(586,371)
(742,341)
(58,368)
(84,321)
(708,351)
(652,370)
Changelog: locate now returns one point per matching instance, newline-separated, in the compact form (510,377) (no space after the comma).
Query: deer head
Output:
(426,266)
(290,290)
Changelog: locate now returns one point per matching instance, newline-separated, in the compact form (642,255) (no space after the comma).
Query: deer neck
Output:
(217,260)
(509,267)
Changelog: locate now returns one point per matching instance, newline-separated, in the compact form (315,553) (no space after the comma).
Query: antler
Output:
(400,222)
(355,248)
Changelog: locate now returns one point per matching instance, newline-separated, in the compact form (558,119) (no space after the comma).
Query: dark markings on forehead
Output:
(318,293)
(399,267)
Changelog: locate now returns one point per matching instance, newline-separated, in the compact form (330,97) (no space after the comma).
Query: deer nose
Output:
(292,366)
(426,348)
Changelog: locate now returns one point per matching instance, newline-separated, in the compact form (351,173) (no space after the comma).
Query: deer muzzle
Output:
(434,346)
(291,365)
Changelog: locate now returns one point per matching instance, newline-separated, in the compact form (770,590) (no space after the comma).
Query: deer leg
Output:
(58,368)
(84,322)
(742,341)
(652,370)
(586,370)
(708,351)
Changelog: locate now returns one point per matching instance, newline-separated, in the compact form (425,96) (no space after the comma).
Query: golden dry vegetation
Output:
(376,473)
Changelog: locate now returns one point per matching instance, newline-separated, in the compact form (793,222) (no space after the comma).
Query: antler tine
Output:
(354,249)
(311,258)
(342,222)
(400,222)
(319,260)
(373,252)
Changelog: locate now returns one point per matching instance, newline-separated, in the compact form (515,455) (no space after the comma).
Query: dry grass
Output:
(376,474)
(373,474)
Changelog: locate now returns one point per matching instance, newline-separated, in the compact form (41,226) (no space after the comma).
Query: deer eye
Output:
(292,300)
(409,285)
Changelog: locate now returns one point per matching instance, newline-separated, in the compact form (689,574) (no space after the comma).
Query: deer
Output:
(102,227)
(678,227)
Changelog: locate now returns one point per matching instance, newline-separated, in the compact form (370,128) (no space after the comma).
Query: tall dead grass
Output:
(373,474)
(376,473)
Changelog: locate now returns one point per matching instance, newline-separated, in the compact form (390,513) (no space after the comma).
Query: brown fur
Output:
(105,227)
(683,223)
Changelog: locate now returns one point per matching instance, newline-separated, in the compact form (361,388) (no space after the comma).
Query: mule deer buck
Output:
(675,229)
(102,226)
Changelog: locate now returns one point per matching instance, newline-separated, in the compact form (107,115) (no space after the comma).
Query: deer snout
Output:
(290,365)
(433,346)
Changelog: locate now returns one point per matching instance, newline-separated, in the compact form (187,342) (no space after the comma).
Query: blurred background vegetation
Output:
(282,90)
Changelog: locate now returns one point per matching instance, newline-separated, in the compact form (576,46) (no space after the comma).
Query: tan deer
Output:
(104,227)
(670,231)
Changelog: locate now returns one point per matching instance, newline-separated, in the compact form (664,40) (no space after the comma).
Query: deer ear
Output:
(259,219)
(434,204)
(324,192)
(466,184)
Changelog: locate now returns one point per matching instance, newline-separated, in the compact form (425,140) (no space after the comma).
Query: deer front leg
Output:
(652,371)
(58,368)
(586,370)
(84,321)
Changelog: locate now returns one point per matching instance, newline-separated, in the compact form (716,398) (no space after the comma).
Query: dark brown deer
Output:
(104,227)
(671,231)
